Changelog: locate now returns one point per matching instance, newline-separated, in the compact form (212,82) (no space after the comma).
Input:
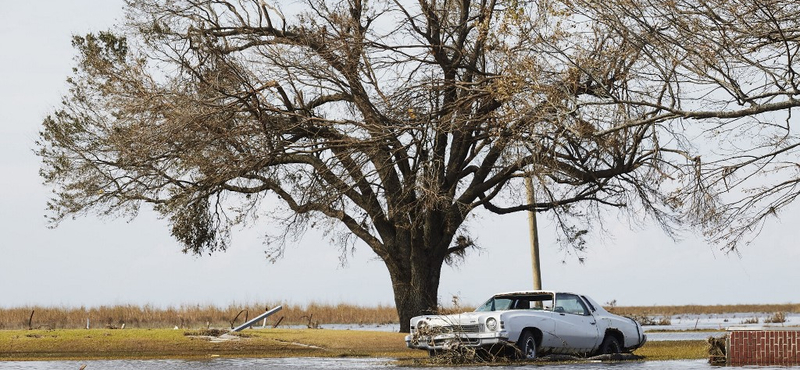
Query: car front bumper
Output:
(453,340)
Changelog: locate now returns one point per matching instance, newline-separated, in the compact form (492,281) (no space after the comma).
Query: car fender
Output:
(516,322)
(628,329)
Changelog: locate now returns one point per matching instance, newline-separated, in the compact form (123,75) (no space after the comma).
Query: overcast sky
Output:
(91,261)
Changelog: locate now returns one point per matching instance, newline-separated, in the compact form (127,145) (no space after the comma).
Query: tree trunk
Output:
(416,287)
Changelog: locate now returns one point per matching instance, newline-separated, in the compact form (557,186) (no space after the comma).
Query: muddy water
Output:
(684,324)
(327,364)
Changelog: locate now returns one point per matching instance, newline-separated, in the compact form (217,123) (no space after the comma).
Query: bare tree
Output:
(724,74)
(390,122)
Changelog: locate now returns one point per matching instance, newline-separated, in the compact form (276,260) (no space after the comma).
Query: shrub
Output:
(776,318)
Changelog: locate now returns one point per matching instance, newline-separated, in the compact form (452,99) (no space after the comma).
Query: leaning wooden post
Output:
(534,236)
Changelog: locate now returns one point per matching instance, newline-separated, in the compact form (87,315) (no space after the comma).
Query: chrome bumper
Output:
(452,340)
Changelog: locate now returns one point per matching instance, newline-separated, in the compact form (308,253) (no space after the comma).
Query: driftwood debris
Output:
(237,316)
(717,353)
(311,324)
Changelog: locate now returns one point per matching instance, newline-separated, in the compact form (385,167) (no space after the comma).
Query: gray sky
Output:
(91,261)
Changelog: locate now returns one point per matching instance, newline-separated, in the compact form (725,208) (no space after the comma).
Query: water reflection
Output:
(327,363)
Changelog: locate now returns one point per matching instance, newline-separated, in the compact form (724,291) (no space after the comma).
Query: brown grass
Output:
(189,316)
(703,310)
(776,318)
(197,316)
(168,343)
(673,350)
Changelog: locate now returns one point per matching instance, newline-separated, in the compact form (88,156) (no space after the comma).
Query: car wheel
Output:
(610,345)
(527,345)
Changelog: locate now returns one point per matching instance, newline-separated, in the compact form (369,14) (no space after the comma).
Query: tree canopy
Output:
(391,122)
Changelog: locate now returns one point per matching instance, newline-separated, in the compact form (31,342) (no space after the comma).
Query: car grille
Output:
(461,329)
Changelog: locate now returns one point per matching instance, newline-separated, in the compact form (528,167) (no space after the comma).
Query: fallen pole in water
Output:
(254,320)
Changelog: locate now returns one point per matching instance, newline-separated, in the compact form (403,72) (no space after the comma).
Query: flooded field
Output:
(685,322)
(328,364)
(680,328)
(723,321)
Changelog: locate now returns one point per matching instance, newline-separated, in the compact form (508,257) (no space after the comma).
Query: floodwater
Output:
(681,329)
(723,321)
(331,364)
(678,323)
(653,335)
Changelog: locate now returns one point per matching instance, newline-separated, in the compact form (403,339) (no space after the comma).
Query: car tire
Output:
(610,346)
(527,346)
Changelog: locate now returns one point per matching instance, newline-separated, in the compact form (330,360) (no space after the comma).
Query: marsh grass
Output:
(702,310)
(750,320)
(169,343)
(674,350)
(776,318)
(311,315)
(189,316)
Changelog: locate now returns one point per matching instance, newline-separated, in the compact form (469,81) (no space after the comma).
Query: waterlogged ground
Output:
(331,364)
(685,322)
(722,321)
(656,334)
(682,327)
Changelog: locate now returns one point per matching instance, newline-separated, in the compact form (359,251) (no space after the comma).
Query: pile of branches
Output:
(717,352)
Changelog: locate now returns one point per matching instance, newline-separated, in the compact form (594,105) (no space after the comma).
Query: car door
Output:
(576,327)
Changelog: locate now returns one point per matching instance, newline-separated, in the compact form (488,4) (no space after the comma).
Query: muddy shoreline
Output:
(86,344)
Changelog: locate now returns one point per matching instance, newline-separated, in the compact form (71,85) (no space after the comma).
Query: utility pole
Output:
(534,236)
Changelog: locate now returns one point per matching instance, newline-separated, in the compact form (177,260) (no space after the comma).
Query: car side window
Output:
(570,303)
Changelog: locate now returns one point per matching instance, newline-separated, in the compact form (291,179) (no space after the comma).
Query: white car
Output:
(535,323)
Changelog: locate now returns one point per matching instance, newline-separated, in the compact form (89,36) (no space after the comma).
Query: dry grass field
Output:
(703,310)
(188,317)
(78,344)
(197,316)
(60,332)
(168,343)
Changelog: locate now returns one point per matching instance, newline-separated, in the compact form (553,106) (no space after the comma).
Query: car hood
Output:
(462,319)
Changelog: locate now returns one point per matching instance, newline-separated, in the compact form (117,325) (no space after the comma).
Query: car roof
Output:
(529,292)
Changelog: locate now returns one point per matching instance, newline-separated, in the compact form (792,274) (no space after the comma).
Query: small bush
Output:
(651,321)
(664,321)
(776,318)
(752,320)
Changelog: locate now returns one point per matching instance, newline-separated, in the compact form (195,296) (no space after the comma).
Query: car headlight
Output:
(421,325)
(491,324)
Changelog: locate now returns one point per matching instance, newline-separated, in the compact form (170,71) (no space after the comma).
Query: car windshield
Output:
(532,301)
